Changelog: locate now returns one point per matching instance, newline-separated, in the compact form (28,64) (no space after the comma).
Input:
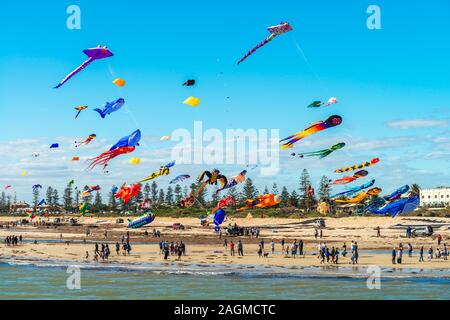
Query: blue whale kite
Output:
(110,107)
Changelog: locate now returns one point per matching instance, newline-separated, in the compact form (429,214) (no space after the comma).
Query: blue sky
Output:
(392,85)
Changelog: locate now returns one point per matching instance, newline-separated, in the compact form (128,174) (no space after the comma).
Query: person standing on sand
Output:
(272,246)
(430,254)
(321,233)
(225,244)
(344,250)
(410,250)
(439,239)
(282,245)
(180,252)
(421,254)
(394,255)
(294,249)
(117,248)
(445,252)
(378,232)
(166,251)
(240,248)
(300,247)
(96,248)
(315,233)
(231,248)
(400,256)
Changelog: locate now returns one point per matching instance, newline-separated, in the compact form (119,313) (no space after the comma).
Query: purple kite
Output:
(93,54)
(281,28)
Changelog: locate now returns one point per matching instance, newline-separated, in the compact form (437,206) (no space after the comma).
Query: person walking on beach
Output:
(378,232)
(315,233)
(408,232)
(344,250)
(232,248)
(166,250)
(240,248)
(336,256)
(272,246)
(321,233)
(439,239)
(225,244)
(300,247)
(117,248)
(294,249)
(400,256)
(96,248)
(430,254)
(445,252)
(282,245)
(179,252)
(394,255)
(410,250)
(421,254)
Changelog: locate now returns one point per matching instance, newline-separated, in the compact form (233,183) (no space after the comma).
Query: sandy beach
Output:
(203,246)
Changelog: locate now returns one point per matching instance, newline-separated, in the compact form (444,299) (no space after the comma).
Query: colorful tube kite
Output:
(354,189)
(316,127)
(362,196)
(234,181)
(397,193)
(219,218)
(125,145)
(163,171)
(85,141)
(321,153)
(79,109)
(263,201)
(141,221)
(348,179)
(225,202)
(93,54)
(359,166)
(276,30)
(180,178)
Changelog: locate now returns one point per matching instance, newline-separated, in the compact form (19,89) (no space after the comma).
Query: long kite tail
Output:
(264,42)
(78,113)
(74,72)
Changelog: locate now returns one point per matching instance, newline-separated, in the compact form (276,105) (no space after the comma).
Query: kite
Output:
(348,179)
(372,205)
(219,217)
(36,186)
(141,221)
(212,178)
(85,141)
(225,202)
(316,127)
(75,158)
(323,208)
(316,104)
(263,201)
(276,30)
(359,166)
(321,153)
(398,207)
(135,160)
(128,192)
(114,190)
(79,109)
(89,190)
(163,171)
(54,145)
(125,145)
(397,193)
(192,101)
(24,173)
(165,138)
(70,183)
(189,83)
(8,186)
(180,178)
(42,202)
(234,181)
(119,82)
(355,189)
(35,154)
(110,107)
(84,208)
(93,54)
(188,201)
(362,196)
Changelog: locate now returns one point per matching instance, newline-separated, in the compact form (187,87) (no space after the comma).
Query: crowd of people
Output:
(438,253)
(13,240)
(172,248)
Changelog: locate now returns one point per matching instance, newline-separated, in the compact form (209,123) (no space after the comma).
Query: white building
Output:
(437,197)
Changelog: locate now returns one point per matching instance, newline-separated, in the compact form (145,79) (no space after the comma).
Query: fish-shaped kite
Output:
(321,153)
(398,207)
(354,189)
(110,107)
(79,109)
(189,83)
(348,179)
(89,190)
(125,145)
(317,104)
(163,171)
(359,166)
(85,141)
(93,54)
(332,121)
(397,193)
(276,30)
(362,196)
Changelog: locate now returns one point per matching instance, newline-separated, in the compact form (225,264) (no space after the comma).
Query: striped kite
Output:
(359,166)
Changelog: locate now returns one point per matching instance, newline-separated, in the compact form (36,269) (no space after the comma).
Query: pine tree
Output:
(178,194)
(98,204)
(55,198)
(306,199)
(154,191)
(169,196)
(249,191)
(147,191)
(232,192)
(185,191)
(275,188)
(294,199)
(35,198)
(88,198)
(266,190)
(112,201)
(49,196)
(161,196)
(284,197)
(67,198)
(324,189)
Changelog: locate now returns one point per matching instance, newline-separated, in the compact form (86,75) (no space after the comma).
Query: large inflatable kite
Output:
(234,181)
(180,178)
(348,179)
(93,54)
(110,107)
(362,196)
(316,127)
(128,192)
(211,178)
(398,207)
(359,166)
(163,171)
(276,30)
(321,153)
(354,189)
(263,201)
(397,193)
(125,145)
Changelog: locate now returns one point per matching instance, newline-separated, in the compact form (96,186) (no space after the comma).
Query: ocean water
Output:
(47,280)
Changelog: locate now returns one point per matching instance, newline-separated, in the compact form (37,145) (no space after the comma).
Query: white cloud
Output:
(417,123)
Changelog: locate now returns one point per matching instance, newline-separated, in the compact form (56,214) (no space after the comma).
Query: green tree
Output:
(67,198)
(266,190)
(55,198)
(294,199)
(306,198)
(275,188)
(178,193)
(415,190)
(169,195)
(89,197)
(161,196)
(249,191)
(154,191)
(35,198)
(112,201)
(284,197)
(98,203)
(324,189)
(49,196)
(147,191)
